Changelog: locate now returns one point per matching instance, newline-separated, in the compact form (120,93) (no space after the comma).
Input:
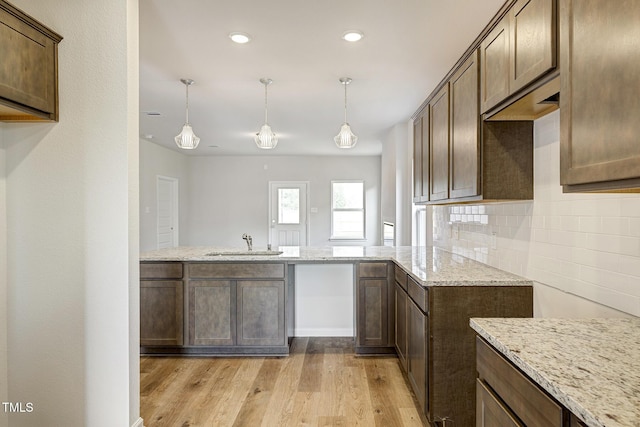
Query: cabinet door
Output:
(532,41)
(464,177)
(490,412)
(161,309)
(425,156)
(212,312)
(599,126)
(372,326)
(494,57)
(401,325)
(417,160)
(417,371)
(421,159)
(439,145)
(28,70)
(261,308)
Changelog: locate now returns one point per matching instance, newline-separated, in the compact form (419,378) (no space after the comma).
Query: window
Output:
(288,206)
(347,210)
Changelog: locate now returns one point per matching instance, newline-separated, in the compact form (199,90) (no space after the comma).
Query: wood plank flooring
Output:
(322,383)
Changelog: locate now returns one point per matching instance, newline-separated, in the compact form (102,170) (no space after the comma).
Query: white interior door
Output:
(288,214)
(167,196)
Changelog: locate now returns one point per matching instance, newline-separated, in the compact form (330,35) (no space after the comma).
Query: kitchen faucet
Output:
(247,237)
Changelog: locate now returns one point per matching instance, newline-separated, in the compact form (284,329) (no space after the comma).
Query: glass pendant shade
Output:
(346,138)
(187,139)
(266,139)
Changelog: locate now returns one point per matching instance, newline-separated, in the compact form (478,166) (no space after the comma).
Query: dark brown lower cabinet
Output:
(417,366)
(434,336)
(507,397)
(375,330)
(212,312)
(490,411)
(161,312)
(161,304)
(402,306)
(260,313)
(228,308)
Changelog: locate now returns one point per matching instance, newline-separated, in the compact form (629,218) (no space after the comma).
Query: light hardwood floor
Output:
(322,383)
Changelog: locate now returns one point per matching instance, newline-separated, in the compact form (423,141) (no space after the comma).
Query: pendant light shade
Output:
(346,138)
(187,139)
(266,139)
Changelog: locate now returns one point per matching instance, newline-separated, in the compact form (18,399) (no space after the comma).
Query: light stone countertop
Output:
(591,366)
(429,265)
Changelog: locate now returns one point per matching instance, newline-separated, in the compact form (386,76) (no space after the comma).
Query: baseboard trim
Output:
(139,423)
(323,332)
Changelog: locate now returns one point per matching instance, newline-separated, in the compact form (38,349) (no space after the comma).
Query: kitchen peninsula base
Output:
(411,301)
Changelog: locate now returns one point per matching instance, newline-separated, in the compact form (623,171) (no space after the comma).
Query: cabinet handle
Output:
(444,422)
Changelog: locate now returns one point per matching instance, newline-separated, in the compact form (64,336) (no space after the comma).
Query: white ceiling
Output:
(409,45)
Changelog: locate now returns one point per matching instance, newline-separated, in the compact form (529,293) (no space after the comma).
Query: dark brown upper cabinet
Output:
(468,159)
(439,145)
(464,158)
(29,68)
(600,81)
(519,51)
(421,159)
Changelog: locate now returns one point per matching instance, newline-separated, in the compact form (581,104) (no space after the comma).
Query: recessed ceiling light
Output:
(240,38)
(353,36)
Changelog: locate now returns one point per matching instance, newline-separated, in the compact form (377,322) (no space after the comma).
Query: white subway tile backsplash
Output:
(615,225)
(634,227)
(584,244)
(610,280)
(590,224)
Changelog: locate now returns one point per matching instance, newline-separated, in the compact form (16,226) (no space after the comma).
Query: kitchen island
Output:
(587,370)
(415,302)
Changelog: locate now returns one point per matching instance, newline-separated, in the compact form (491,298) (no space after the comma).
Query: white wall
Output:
(4,389)
(396,173)
(228,195)
(582,250)
(388,177)
(322,289)
(72,229)
(154,161)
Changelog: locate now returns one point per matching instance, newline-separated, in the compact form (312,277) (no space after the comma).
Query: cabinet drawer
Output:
(236,271)
(524,398)
(401,276)
(419,294)
(161,270)
(490,411)
(372,269)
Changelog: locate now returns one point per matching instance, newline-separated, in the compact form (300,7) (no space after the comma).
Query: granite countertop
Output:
(429,265)
(591,366)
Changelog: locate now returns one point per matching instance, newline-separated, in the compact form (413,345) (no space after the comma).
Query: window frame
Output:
(363,210)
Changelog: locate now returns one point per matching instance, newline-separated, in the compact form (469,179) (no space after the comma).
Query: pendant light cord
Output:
(187,109)
(345,102)
(265,103)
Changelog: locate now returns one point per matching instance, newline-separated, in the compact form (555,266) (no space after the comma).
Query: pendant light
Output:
(346,138)
(187,139)
(266,139)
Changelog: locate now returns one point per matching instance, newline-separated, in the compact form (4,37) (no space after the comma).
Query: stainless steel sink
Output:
(244,253)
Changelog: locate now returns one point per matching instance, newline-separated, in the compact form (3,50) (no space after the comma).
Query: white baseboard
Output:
(323,332)
(139,423)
